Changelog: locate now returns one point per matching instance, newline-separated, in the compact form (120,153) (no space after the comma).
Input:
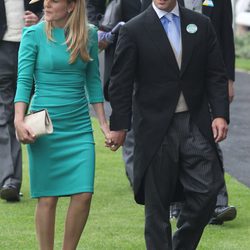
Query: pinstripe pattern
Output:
(222,197)
(184,155)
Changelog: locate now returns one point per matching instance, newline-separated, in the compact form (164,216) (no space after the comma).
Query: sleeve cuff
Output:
(120,122)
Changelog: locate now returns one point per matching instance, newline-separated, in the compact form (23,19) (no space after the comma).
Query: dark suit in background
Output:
(10,150)
(161,157)
(221,16)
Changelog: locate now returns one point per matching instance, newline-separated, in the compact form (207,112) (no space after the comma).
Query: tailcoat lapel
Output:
(188,39)
(159,37)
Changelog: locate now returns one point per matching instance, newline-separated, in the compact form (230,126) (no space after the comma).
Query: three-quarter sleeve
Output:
(93,82)
(26,64)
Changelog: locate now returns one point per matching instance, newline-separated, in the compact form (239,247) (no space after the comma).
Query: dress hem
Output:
(62,194)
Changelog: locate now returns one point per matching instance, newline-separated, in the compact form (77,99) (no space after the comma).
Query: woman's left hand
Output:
(106,131)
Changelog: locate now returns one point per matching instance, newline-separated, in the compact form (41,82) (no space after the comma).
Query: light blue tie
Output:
(171,24)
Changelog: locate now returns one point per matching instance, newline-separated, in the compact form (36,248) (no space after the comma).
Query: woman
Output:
(62,54)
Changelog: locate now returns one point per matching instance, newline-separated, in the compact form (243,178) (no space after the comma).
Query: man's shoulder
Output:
(136,21)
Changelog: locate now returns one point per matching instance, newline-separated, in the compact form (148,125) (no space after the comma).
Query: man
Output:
(175,137)
(14,15)
(220,13)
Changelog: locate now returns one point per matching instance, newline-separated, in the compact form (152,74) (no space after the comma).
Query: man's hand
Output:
(105,39)
(117,139)
(102,45)
(220,128)
(230,90)
(30,18)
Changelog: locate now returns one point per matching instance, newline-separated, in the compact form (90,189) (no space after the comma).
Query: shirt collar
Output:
(161,13)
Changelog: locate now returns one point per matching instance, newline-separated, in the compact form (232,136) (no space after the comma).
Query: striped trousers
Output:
(184,156)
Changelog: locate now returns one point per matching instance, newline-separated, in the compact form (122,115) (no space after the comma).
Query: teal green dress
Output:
(62,163)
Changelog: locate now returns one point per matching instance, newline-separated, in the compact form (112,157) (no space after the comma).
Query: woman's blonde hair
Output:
(76,30)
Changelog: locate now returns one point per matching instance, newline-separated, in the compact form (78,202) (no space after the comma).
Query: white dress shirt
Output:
(15,21)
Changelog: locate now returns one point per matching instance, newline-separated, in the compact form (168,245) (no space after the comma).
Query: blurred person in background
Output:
(242,11)
(129,9)
(14,15)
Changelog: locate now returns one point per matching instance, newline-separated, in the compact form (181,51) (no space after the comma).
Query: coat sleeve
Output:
(216,79)
(122,81)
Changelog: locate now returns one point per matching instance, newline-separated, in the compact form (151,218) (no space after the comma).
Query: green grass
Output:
(242,63)
(115,221)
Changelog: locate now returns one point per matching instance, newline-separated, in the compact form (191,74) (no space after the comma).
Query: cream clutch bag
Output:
(39,122)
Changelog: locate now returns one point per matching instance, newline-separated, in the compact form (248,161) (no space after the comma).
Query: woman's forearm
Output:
(99,110)
(20,110)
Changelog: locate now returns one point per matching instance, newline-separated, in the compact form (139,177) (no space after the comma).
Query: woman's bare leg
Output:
(76,219)
(45,222)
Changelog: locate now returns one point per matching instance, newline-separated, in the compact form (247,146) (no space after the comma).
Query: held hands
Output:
(106,131)
(116,139)
(30,18)
(220,129)
(24,133)
(113,139)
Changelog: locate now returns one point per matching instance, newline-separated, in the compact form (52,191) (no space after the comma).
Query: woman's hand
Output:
(106,131)
(24,133)
(99,110)
(117,139)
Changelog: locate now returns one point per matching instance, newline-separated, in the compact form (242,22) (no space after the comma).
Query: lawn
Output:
(243,64)
(115,222)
